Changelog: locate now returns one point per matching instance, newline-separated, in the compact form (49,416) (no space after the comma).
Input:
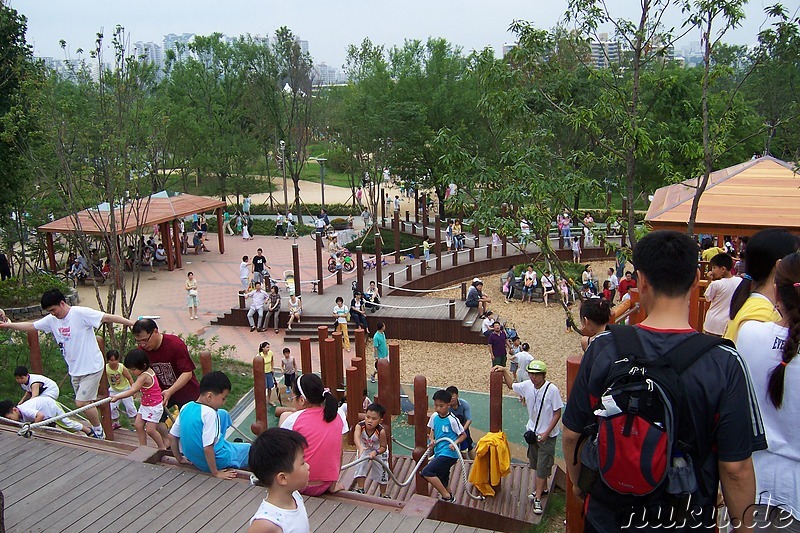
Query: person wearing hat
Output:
(544,404)
(476,298)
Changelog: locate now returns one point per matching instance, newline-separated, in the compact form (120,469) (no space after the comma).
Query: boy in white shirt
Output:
(277,459)
(35,385)
(719,292)
(244,272)
(39,409)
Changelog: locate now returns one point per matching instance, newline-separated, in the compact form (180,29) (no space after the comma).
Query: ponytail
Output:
(787,285)
(740,295)
(315,393)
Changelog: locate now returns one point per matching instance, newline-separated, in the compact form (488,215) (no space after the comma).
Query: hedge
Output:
(308,209)
(14,293)
(406,241)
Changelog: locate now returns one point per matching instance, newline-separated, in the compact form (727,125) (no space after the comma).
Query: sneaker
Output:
(116,425)
(537,507)
(385,495)
(358,491)
(97,433)
(252,329)
(372,379)
(451,499)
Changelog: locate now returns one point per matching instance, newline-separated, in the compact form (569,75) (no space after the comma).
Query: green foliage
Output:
(13,293)
(15,353)
(308,209)
(368,245)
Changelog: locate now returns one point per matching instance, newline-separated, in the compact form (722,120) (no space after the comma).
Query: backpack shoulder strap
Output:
(627,342)
(688,351)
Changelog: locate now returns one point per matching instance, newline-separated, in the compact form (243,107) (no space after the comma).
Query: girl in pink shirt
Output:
(150,410)
(318,419)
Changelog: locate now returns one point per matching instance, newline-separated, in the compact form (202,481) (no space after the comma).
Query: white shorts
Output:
(86,387)
(151,414)
(373,468)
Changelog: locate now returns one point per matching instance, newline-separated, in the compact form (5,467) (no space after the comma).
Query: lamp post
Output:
(321,161)
(285,190)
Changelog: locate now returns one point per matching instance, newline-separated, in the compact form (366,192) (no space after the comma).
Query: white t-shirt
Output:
(487,323)
(534,398)
(48,386)
(75,336)
(40,404)
(244,270)
(259,297)
(211,433)
(341,313)
(289,520)
(523,358)
(719,292)
(778,467)
(613,282)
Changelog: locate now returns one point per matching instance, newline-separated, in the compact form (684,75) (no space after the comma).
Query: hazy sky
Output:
(329,26)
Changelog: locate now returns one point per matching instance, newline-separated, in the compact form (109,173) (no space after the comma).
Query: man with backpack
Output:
(664,414)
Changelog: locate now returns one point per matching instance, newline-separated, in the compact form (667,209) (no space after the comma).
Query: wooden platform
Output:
(52,486)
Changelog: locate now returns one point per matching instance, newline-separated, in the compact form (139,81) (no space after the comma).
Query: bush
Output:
(308,209)
(15,353)
(261,227)
(339,223)
(14,293)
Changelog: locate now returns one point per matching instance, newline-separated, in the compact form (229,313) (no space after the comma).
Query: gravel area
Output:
(467,365)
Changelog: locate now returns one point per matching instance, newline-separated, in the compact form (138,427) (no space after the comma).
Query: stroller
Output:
(288,278)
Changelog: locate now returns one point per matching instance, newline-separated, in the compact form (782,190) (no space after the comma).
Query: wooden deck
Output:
(51,486)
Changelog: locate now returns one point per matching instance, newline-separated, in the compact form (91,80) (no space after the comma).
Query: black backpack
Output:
(643,442)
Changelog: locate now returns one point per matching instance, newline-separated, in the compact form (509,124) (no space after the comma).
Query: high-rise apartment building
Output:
(605,52)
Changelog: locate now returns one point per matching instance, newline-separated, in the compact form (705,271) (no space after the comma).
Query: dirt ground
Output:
(467,365)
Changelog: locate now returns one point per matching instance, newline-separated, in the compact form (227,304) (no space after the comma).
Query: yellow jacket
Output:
(492,462)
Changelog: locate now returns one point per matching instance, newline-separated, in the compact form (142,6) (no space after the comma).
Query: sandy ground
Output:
(467,366)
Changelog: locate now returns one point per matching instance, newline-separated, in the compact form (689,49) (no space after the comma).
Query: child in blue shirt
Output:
(198,434)
(443,424)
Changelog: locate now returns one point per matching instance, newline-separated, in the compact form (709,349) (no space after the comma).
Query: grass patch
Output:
(554,515)
(368,247)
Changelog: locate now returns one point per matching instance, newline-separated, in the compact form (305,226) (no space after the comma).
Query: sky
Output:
(328,25)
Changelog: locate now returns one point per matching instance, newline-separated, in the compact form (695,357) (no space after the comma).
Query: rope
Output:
(412,307)
(21,424)
(418,290)
(27,427)
(409,448)
(416,468)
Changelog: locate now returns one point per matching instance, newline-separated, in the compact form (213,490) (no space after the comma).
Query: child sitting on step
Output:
(371,442)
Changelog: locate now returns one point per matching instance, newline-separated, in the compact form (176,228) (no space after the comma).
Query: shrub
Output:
(14,293)
(406,241)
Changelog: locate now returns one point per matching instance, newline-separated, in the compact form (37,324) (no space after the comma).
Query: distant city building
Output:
(179,44)
(605,52)
(507,47)
(327,75)
(72,69)
(303,45)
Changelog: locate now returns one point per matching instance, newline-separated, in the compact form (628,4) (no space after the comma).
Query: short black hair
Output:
(452,389)
(669,260)
(377,408)
(20,371)
(286,350)
(722,260)
(245,258)
(442,395)
(216,382)
(144,325)
(52,297)
(112,353)
(273,452)
(137,358)
(339,299)
(598,310)
(6,406)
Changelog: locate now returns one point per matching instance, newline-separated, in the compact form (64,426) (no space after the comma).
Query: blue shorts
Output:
(270,377)
(467,444)
(440,467)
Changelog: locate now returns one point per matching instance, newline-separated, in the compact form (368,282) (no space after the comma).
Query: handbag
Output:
(192,292)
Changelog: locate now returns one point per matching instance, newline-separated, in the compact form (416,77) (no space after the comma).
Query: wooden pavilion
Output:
(739,200)
(157,210)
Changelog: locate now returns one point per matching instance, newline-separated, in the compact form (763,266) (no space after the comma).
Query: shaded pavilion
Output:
(739,200)
(159,209)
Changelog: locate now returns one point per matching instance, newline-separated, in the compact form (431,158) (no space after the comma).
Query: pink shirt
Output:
(151,396)
(324,452)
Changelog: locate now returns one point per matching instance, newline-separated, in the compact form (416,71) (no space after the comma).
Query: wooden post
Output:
(165,240)
(476,232)
(391,280)
(472,255)
(242,301)
(504,249)
(205,361)
(420,428)
(35,350)
(396,237)
(394,363)
(339,277)
(305,355)
(383,207)
(496,402)
(176,241)
(694,308)
(416,205)
(104,411)
(489,250)
(574,505)
(452,307)
(296,268)
(463,291)
(438,242)
(455,255)
(423,266)
(425,217)
(259,396)
(360,268)
(320,283)
(51,252)
(361,381)
(408,273)
(384,397)
(338,363)
(640,315)
(361,342)
(378,263)
(220,231)
(328,365)
(353,401)
(322,334)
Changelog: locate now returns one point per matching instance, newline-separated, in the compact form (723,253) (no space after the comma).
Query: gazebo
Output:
(739,200)
(159,209)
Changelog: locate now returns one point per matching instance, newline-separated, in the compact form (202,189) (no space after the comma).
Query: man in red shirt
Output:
(169,359)
(627,283)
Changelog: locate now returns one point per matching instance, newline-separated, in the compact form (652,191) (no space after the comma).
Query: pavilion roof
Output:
(143,212)
(739,200)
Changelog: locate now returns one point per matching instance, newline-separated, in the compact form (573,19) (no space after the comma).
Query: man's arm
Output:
(17,326)
(738,482)
(182,380)
(569,441)
(556,418)
(208,451)
(116,319)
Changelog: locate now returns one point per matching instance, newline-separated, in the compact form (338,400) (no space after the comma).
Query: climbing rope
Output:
(448,304)
(417,290)
(416,468)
